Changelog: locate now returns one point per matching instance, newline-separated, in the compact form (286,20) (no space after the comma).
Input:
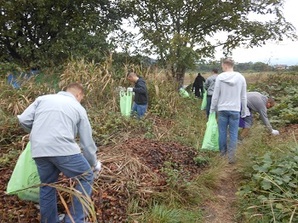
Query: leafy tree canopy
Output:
(42,30)
(180,31)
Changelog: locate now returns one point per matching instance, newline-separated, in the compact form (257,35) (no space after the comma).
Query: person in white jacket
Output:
(229,100)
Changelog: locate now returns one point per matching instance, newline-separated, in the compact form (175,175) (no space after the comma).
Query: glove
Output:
(97,169)
(130,89)
(275,132)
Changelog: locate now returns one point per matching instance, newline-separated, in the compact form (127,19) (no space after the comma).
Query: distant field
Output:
(251,77)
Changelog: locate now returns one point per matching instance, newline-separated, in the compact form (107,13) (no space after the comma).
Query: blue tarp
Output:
(16,79)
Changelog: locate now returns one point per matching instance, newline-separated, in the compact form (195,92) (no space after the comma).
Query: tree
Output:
(180,31)
(42,30)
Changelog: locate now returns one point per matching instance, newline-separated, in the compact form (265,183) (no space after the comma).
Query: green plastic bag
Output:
(204,101)
(210,141)
(183,93)
(24,181)
(125,102)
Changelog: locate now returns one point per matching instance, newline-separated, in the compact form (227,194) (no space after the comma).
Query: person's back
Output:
(209,86)
(55,125)
(53,122)
(260,103)
(256,101)
(228,99)
(198,85)
(228,92)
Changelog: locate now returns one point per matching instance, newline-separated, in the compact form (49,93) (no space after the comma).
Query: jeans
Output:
(72,167)
(140,110)
(209,98)
(228,121)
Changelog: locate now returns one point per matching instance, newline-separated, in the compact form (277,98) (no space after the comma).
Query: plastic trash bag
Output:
(125,102)
(183,93)
(24,181)
(210,141)
(204,101)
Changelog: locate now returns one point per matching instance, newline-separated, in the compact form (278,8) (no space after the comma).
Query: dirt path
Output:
(221,209)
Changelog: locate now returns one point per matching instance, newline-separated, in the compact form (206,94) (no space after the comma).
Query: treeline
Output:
(246,67)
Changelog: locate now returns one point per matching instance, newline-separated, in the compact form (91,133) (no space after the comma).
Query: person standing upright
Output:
(230,101)
(209,86)
(198,86)
(140,103)
(53,121)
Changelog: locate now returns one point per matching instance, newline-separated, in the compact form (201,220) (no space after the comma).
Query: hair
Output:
(271,100)
(75,86)
(228,61)
(215,70)
(131,73)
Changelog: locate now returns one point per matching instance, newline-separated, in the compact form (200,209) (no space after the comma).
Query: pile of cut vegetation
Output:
(136,169)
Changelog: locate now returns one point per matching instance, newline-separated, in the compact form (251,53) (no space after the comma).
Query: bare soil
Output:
(221,208)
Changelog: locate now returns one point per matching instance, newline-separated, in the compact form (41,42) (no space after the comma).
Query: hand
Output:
(130,89)
(243,115)
(97,169)
(275,132)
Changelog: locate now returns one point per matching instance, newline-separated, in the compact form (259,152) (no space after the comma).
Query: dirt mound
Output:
(131,169)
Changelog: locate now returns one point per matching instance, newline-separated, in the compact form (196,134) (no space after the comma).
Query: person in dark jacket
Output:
(140,103)
(198,85)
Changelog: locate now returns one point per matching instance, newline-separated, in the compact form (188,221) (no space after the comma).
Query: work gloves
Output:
(275,132)
(130,89)
(97,169)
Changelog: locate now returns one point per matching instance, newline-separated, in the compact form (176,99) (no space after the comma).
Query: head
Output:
(77,90)
(215,70)
(199,74)
(227,64)
(270,103)
(132,77)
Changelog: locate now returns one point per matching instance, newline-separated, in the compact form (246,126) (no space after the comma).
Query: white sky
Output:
(272,53)
(285,52)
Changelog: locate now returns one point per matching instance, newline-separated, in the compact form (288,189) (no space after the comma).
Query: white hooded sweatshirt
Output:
(229,93)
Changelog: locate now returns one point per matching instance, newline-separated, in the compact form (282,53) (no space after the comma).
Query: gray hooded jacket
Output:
(229,93)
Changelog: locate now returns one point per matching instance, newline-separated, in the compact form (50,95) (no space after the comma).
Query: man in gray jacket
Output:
(209,86)
(257,102)
(53,122)
(229,100)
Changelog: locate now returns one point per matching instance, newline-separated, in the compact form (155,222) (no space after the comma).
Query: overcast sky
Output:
(285,52)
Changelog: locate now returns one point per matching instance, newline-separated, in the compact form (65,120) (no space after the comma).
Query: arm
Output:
(215,97)
(88,146)
(27,117)
(243,100)
(140,87)
(207,83)
(263,115)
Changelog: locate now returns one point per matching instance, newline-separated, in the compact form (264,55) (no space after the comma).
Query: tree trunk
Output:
(179,73)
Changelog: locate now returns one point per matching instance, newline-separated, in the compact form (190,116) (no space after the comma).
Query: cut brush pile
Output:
(133,169)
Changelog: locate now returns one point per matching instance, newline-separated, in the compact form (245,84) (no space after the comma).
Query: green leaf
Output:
(266,185)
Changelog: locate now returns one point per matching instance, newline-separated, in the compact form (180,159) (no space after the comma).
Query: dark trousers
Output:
(199,91)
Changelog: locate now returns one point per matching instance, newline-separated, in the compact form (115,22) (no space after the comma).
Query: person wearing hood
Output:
(229,100)
(198,86)
(140,103)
